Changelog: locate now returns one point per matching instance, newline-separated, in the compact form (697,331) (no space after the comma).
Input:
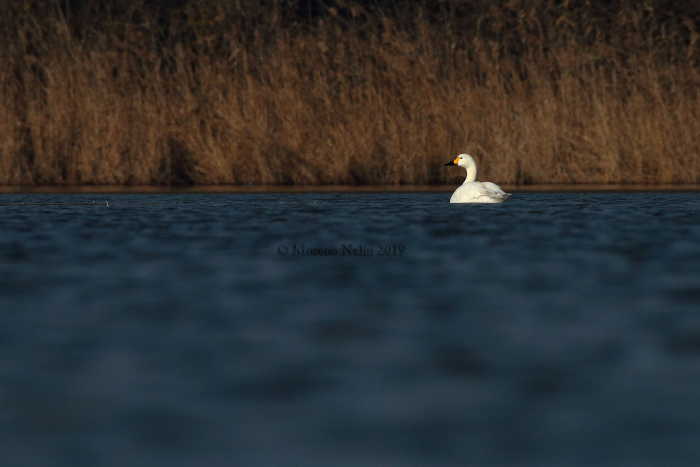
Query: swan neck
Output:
(471,174)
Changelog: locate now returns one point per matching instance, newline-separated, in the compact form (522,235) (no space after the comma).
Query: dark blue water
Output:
(168,330)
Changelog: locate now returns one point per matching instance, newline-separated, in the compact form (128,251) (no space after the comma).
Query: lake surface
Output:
(170,330)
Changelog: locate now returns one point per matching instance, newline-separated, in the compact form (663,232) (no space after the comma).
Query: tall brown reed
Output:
(219,93)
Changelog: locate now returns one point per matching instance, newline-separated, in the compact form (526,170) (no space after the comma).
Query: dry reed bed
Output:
(356,97)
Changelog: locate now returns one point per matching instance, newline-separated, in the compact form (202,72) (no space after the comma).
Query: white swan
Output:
(472,191)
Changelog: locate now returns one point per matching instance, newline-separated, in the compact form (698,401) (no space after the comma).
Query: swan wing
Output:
(476,192)
(496,192)
(493,187)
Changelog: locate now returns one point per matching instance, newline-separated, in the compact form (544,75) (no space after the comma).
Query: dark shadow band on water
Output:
(581,188)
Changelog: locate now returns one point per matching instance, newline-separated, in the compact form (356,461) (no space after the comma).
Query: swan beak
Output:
(454,162)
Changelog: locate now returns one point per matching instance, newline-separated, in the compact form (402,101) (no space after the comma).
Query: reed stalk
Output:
(288,92)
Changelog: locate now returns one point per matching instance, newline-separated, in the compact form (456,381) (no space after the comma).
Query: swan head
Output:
(463,160)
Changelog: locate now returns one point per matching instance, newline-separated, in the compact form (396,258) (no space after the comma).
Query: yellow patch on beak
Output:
(455,161)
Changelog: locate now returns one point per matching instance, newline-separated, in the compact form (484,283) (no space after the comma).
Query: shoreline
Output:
(147,189)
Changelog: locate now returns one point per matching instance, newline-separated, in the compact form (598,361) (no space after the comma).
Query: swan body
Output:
(472,191)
